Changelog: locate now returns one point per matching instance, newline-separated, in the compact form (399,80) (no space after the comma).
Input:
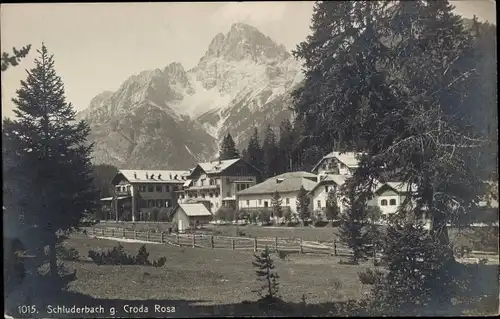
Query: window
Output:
(383,202)
(159,188)
(216,194)
(159,203)
(195,195)
(202,195)
(228,194)
(151,203)
(260,201)
(238,187)
(176,188)
(211,194)
(326,189)
(319,204)
(287,201)
(392,202)
(151,188)
(142,188)
(266,204)
(168,203)
(212,182)
(248,203)
(227,180)
(167,188)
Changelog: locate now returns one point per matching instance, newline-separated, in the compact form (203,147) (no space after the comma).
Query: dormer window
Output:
(152,176)
(159,176)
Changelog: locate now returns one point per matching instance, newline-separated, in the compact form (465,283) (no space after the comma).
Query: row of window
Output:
(240,187)
(392,202)
(157,188)
(266,203)
(150,203)
(383,202)
(202,195)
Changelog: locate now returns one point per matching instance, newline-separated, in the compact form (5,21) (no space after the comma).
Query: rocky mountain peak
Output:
(244,42)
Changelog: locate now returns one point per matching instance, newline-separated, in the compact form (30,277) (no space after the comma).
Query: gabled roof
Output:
(350,159)
(215,167)
(195,209)
(331,179)
(399,187)
(289,182)
(169,176)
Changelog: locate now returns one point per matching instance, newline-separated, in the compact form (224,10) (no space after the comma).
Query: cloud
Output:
(254,13)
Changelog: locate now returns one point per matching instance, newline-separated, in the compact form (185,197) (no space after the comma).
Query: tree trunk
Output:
(53,260)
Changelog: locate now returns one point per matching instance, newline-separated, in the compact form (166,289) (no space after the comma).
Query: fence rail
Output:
(236,243)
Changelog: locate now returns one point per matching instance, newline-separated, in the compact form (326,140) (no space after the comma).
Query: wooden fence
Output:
(240,243)
(224,242)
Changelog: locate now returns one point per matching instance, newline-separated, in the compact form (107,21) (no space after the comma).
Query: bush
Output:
(117,256)
(225,213)
(370,277)
(70,254)
(163,215)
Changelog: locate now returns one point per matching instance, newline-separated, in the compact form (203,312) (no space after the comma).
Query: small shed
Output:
(188,216)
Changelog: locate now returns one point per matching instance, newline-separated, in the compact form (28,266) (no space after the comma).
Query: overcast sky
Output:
(99,45)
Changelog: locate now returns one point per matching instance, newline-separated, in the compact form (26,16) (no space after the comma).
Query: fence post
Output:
(300,243)
(194,240)
(276,244)
(177,239)
(255,244)
(123,232)
(102,232)
(212,242)
(232,243)
(147,235)
(374,255)
(161,237)
(135,234)
(334,247)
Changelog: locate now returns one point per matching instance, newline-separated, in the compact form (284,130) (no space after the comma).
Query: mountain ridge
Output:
(243,79)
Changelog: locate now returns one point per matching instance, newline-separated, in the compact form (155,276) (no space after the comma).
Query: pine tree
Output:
(285,145)
(302,204)
(254,152)
(48,148)
(391,80)
(276,203)
(13,60)
(228,148)
(418,277)
(267,276)
(332,207)
(353,230)
(270,152)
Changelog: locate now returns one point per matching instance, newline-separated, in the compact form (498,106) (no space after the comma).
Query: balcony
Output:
(123,193)
(198,187)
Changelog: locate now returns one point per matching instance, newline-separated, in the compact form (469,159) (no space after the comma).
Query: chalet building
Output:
(337,163)
(190,216)
(216,183)
(319,193)
(259,197)
(139,191)
(389,196)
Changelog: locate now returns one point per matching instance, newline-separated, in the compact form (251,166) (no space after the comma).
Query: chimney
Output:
(175,177)
(147,176)
(135,175)
(152,176)
(159,176)
(170,176)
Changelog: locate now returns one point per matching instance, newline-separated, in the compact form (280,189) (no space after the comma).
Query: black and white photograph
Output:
(250,159)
